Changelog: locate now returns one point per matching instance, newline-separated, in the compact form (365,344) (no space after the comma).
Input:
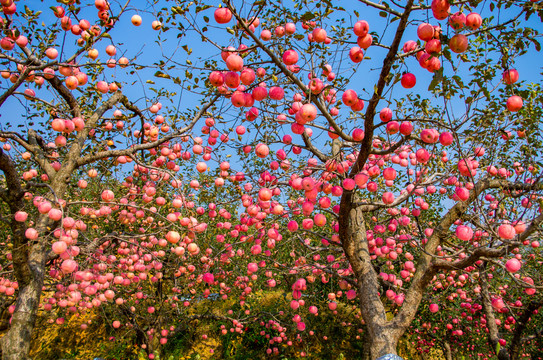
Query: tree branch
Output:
(385,71)
(15,86)
(426,264)
(381,7)
(522,322)
(109,153)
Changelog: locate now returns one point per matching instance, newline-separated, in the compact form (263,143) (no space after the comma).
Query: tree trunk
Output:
(515,347)
(16,343)
(383,344)
(383,334)
(366,341)
(448,352)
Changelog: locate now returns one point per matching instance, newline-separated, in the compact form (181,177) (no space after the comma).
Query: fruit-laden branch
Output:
(56,84)
(21,77)
(277,61)
(368,207)
(90,248)
(34,145)
(425,265)
(487,252)
(110,153)
(40,65)
(392,148)
(35,98)
(381,83)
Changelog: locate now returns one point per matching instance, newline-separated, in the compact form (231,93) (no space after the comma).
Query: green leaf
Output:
(201,8)
(162,75)
(383,14)
(537,44)
(307,16)
(438,76)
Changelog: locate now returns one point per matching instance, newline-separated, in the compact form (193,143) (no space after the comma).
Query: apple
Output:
(458,43)
(222,15)
(514,103)
(136,20)
(408,80)
(510,76)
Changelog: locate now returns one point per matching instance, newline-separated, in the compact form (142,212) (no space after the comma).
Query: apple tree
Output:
(413,147)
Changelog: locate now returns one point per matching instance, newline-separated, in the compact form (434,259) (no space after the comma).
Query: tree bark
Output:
(16,343)
(366,341)
(448,352)
(384,341)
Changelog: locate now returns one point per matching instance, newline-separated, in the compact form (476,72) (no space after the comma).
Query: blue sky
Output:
(142,42)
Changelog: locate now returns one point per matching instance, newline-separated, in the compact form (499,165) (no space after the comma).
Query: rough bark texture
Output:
(365,340)
(16,343)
